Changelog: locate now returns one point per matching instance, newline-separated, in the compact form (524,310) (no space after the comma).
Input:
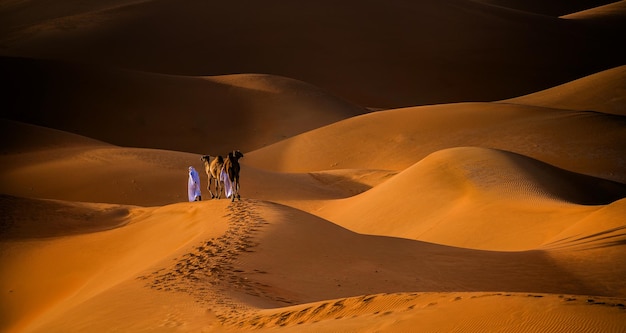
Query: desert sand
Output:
(427,166)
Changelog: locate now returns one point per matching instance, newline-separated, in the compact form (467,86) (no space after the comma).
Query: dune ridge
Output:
(468,189)
(288,256)
(397,139)
(450,165)
(601,92)
(555,8)
(405,311)
(609,14)
(429,59)
(181,113)
(242,248)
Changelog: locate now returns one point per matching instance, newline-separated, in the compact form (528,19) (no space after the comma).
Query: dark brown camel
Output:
(232,168)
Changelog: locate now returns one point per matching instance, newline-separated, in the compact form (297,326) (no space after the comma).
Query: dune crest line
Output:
(207,272)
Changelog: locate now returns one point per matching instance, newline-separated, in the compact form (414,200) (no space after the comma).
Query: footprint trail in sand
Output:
(207,272)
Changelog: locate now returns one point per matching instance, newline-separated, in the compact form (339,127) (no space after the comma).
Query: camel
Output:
(213,166)
(230,174)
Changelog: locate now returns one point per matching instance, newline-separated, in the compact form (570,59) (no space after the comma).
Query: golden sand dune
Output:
(276,267)
(217,264)
(502,214)
(612,14)
(211,115)
(71,167)
(529,125)
(235,258)
(39,285)
(602,92)
(37,218)
(469,189)
(456,225)
(35,156)
(554,8)
(604,227)
(431,312)
(397,139)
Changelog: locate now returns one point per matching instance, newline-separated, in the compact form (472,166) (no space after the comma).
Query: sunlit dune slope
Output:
(316,260)
(552,8)
(465,183)
(594,247)
(580,141)
(569,126)
(602,92)
(376,54)
(444,312)
(296,258)
(604,227)
(234,259)
(502,210)
(33,157)
(54,259)
(478,198)
(45,163)
(211,115)
(611,15)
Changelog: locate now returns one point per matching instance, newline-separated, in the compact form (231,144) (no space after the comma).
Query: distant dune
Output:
(396,139)
(553,8)
(610,15)
(446,166)
(602,92)
(205,115)
(468,189)
(375,54)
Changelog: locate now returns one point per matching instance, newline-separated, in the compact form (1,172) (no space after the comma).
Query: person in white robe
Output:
(193,186)
(228,185)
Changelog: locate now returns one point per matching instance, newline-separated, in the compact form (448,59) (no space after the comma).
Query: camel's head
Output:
(205,158)
(237,154)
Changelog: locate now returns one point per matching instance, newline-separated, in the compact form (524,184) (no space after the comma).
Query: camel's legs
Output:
(209,187)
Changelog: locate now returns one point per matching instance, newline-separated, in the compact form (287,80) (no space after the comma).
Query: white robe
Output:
(193,185)
(228,185)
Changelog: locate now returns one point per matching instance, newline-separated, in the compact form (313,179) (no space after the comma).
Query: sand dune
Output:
(376,54)
(502,214)
(18,137)
(611,14)
(433,312)
(92,171)
(35,156)
(397,139)
(554,8)
(602,92)
(236,258)
(490,231)
(275,256)
(469,189)
(39,285)
(195,114)
(37,218)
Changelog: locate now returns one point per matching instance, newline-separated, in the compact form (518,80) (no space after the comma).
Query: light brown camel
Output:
(213,166)
(232,168)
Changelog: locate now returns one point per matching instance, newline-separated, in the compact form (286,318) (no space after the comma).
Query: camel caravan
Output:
(223,172)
